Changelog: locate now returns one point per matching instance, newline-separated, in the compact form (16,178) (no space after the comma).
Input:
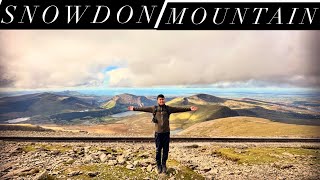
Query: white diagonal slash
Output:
(161,13)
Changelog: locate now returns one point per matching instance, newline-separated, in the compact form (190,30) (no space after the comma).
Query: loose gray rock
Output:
(206,169)
(103,157)
(43,175)
(93,174)
(121,160)
(87,159)
(73,173)
(112,162)
(144,155)
(149,168)
(136,163)
(130,166)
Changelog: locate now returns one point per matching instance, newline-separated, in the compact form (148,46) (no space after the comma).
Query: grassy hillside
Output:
(208,108)
(204,113)
(280,112)
(40,104)
(110,104)
(250,127)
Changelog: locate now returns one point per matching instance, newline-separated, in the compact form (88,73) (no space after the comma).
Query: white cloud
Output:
(43,59)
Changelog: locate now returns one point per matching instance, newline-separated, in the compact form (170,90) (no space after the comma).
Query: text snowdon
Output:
(177,16)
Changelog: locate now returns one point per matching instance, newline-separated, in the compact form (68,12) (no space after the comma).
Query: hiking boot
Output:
(159,169)
(164,168)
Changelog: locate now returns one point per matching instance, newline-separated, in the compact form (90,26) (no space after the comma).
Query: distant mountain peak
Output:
(207,98)
(126,99)
(126,95)
(47,94)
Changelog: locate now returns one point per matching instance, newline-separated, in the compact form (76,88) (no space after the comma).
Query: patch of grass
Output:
(110,104)
(251,157)
(110,172)
(51,147)
(50,177)
(183,171)
(260,155)
(172,162)
(175,101)
(69,162)
(28,148)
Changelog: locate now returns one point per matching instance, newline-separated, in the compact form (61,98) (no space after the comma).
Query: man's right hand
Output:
(130,108)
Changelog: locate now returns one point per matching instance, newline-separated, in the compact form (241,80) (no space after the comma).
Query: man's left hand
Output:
(193,108)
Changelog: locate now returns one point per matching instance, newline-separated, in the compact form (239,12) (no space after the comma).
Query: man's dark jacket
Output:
(162,115)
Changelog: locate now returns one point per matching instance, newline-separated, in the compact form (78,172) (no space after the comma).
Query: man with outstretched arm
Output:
(161,114)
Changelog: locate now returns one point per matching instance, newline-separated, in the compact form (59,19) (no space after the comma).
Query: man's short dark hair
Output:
(160,96)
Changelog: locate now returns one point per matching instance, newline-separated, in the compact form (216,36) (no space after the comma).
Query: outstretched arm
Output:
(181,109)
(144,109)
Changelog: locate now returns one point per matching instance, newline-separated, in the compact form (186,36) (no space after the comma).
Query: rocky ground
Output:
(28,160)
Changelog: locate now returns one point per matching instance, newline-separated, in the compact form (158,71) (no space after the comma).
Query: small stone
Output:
(103,157)
(209,177)
(144,155)
(136,163)
(149,168)
(74,173)
(87,149)
(214,171)
(121,160)
(78,150)
(130,166)
(87,159)
(42,175)
(95,156)
(110,156)
(70,161)
(192,166)
(206,169)
(55,152)
(54,173)
(93,174)
(286,166)
(112,162)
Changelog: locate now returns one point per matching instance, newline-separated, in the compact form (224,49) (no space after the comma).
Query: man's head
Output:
(160,99)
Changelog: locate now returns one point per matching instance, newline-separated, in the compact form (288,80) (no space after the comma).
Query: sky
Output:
(47,59)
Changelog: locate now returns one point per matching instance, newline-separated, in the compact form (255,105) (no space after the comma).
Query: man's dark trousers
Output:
(162,142)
